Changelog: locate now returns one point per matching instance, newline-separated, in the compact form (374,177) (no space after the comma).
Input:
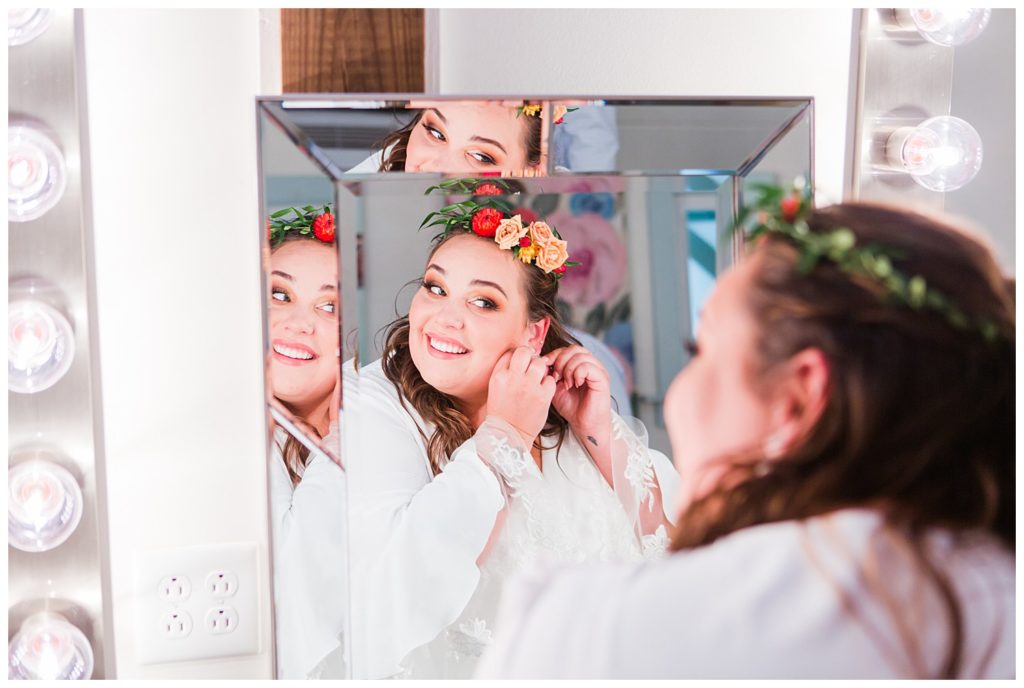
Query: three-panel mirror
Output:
(474,309)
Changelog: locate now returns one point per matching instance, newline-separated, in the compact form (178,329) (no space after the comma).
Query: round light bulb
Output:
(36,173)
(950,26)
(941,153)
(44,505)
(40,346)
(26,23)
(49,647)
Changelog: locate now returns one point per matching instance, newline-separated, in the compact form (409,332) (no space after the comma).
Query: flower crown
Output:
(309,220)
(782,212)
(491,217)
(560,111)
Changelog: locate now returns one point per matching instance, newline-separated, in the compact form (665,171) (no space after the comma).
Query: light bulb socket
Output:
(947,27)
(44,505)
(941,153)
(37,174)
(48,647)
(902,20)
(40,346)
(25,24)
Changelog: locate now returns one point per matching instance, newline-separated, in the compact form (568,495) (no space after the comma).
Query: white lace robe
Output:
(421,606)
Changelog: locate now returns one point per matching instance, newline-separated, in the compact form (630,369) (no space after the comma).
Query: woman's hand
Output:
(582,394)
(520,392)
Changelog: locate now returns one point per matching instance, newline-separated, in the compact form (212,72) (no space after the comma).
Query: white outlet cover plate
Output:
(196,563)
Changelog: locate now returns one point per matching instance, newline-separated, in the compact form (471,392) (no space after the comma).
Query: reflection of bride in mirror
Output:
(462,138)
(489,444)
(307,488)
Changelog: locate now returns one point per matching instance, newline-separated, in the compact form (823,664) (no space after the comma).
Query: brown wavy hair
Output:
(398,141)
(294,453)
(452,427)
(919,418)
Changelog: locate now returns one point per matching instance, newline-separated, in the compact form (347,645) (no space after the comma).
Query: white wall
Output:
(174,187)
(661,52)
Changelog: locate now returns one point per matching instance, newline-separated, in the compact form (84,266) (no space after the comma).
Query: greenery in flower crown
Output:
(783,212)
(489,216)
(471,187)
(317,221)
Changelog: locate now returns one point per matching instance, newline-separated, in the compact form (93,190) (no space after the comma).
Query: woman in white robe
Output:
(430,548)
(310,565)
(848,464)
(307,482)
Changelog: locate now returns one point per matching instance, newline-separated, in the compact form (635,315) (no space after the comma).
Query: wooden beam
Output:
(352,50)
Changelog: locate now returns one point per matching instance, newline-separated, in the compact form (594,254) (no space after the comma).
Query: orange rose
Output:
(552,255)
(540,233)
(509,232)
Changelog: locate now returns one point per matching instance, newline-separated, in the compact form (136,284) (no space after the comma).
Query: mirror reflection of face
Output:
(468,138)
(470,309)
(712,408)
(304,324)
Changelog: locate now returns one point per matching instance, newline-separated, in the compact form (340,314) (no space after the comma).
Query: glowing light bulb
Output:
(26,23)
(44,505)
(36,173)
(949,26)
(40,346)
(941,153)
(49,647)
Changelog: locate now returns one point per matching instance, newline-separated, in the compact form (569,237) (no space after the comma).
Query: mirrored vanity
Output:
(644,191)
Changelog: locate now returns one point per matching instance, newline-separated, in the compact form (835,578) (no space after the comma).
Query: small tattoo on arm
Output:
(592,440)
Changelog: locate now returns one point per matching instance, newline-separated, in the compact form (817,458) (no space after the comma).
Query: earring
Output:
(773,446)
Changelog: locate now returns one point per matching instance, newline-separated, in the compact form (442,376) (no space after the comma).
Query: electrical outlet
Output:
(221,619)
(176,624)
(222,584)
(175,589)
(178,619)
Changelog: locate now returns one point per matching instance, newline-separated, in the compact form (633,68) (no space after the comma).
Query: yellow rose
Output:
(509,232)
(552,255)
(540,233)
(528,253)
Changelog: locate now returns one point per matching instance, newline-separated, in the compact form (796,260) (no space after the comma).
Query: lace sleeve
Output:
(502,449)
(638,476)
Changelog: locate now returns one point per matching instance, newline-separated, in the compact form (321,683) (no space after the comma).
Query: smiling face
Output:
(470,309)
(304,324)
(467,138)
(712,409)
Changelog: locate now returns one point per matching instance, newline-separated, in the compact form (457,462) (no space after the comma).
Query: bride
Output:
(307,488)
(484,442)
